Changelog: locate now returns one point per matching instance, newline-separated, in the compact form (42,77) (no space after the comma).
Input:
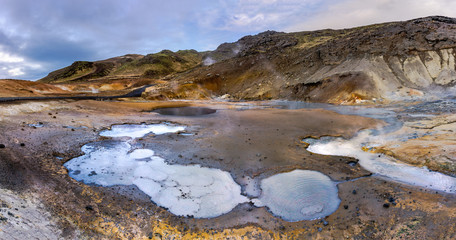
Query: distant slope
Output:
(22,88)
(132,65)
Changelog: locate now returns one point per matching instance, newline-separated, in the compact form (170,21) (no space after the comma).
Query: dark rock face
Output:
(371,62)
(344,86)
(265,42)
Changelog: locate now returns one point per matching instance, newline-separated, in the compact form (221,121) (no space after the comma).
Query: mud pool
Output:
(184,190)
(192,190)
(168,176)
(299,195)
(203,192)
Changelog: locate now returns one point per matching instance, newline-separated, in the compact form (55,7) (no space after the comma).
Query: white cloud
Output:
(16,72)
(12,65)
(351,13)
(256,15)
(55,33)
(9,58)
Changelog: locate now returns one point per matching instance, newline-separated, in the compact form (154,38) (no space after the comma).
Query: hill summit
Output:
(387,61)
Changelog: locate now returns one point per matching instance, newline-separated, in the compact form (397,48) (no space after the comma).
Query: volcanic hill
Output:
(388,61)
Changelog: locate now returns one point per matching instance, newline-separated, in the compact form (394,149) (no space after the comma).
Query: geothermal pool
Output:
(203,192)
(299,195)
(381,164)
(192,190)
(184,190)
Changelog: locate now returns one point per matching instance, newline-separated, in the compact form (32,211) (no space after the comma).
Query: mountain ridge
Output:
(385,61)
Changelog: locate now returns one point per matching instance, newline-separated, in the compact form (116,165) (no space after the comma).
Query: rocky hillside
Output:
(131,65)
(389,61)
(383,61)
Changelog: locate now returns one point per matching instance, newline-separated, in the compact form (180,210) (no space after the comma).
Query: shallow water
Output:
(386,114)
(137,131)
(434,107)
(380,164)
(185,111)
(193,190)
(184,190)
(299,195)
(206,192)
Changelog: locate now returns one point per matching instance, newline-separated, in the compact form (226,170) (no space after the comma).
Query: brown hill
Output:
(388,61)
(22,88)
(128,66)
(383,61)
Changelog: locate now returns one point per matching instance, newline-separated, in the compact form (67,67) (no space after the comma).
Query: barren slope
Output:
(384,61)
(21,88)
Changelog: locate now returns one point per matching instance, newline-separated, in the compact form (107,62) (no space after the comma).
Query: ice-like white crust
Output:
(185,190)
(383,165)
(137,131)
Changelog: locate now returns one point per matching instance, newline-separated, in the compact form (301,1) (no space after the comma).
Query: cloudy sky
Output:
(37,37)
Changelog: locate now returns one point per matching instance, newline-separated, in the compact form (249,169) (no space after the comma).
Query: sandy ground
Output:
(40,137)
(22,88)
(434,146)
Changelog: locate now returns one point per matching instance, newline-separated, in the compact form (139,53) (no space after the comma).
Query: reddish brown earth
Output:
(22,88)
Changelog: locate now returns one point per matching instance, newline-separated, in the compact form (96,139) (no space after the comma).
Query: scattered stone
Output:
(352,163)
(158,235)
(320,229)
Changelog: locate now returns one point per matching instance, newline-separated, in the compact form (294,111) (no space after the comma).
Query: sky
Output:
(37,37)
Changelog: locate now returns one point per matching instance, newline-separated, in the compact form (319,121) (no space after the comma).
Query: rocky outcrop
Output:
(389,61)
(382,76)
